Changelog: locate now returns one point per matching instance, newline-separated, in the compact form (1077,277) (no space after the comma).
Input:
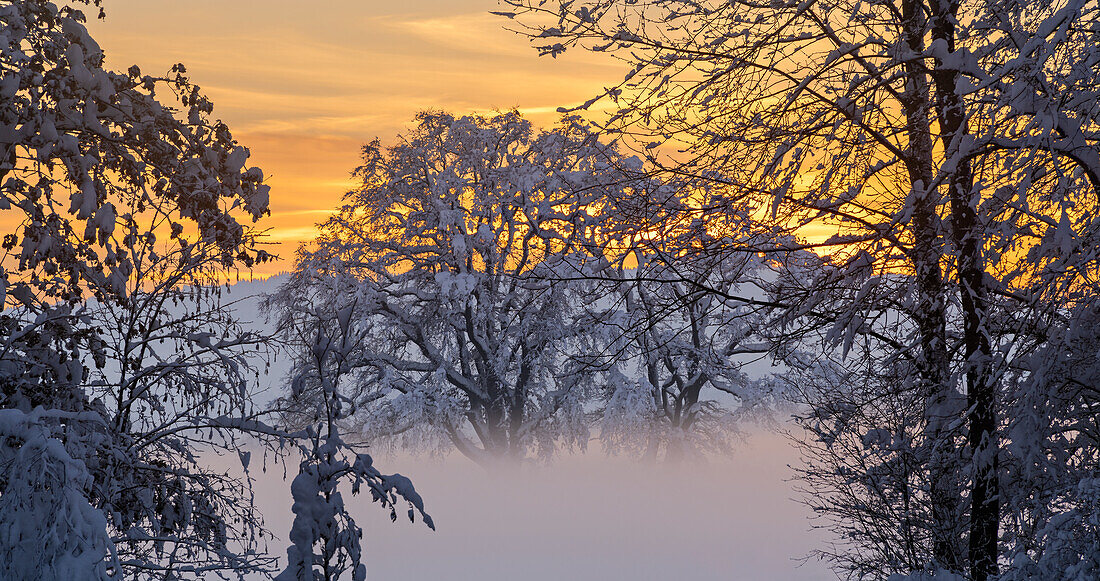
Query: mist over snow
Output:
(584,516)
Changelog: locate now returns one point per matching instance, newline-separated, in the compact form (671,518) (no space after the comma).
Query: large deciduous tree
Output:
(439,256)
(510,287)
(950,146)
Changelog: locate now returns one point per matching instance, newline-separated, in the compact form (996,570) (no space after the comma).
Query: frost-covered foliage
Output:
(445,261)
(952,148)
(87,151)
(175,373)
(865,454)
(1052,457)
(325,541)
(48,527)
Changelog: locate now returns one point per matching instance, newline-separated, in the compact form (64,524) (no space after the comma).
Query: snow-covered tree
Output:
(117,358)
(1052,525)
(325,540)
(175,372)
(48,528)
(677,386)
(509,288)
(865,457)
(950,146)
(451,256)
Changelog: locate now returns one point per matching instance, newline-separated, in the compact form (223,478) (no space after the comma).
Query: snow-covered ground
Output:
(586,517)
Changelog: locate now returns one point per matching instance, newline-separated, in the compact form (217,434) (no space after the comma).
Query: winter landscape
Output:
(550,289)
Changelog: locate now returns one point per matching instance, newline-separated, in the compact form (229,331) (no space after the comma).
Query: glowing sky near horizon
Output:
(304,84)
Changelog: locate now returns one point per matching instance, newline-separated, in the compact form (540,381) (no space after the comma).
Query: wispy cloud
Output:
(305,85)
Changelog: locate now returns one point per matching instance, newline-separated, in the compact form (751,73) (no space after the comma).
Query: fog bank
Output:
(586,517)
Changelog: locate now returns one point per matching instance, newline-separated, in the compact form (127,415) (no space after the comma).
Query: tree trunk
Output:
(930,313)
(982,424)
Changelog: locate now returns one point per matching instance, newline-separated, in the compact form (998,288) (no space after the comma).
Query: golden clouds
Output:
(305,84)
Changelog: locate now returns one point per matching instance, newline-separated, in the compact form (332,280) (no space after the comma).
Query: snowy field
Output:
(587,518)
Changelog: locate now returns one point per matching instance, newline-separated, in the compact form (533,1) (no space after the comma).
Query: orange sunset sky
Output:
(305,84)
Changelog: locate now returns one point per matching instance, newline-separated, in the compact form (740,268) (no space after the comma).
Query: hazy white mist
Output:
(586,517)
